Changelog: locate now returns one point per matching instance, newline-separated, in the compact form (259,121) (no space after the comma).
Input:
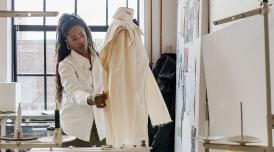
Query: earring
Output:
(69,47)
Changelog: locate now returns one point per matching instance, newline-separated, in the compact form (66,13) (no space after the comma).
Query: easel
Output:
(264,10)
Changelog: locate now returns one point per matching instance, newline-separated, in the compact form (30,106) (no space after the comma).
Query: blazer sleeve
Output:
(71,85)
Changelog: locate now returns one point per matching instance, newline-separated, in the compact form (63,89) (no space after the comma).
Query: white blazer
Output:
(79,82)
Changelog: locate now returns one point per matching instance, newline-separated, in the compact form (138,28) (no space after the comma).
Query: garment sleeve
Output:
(71,85)
(157,109)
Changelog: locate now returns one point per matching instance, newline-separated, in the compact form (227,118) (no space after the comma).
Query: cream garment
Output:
(132,89)
(76,116)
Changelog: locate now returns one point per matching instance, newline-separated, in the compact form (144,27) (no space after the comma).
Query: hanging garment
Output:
(161,138)
(132,90)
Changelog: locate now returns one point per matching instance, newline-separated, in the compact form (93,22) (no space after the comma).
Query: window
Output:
(34,42)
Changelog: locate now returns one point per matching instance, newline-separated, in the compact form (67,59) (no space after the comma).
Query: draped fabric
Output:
(132,90)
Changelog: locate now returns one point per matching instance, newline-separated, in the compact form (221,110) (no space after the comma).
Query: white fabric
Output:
(79,83)
(132,89)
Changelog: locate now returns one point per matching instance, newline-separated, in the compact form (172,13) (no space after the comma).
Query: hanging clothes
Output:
(161,138)
(133,93)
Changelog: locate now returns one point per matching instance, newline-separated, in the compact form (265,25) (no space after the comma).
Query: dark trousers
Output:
(93,140)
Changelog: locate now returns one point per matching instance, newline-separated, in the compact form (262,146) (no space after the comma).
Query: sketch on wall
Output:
(197,17)
(179,78)
(187,33)
(186,53)
(191,20)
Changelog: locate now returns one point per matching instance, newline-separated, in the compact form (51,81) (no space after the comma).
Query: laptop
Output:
(10,96)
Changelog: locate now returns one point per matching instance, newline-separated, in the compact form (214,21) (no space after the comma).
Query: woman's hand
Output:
(100,100)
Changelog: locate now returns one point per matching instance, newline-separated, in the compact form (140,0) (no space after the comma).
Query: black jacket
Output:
(161,139)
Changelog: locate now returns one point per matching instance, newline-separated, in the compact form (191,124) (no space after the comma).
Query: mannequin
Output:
(132,90)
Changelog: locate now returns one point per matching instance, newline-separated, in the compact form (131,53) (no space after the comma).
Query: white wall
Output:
(5,44)
(169,27)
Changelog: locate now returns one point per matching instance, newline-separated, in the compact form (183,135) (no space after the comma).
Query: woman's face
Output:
(77,39)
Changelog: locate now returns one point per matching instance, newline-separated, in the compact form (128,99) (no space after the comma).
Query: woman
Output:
(78,83)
